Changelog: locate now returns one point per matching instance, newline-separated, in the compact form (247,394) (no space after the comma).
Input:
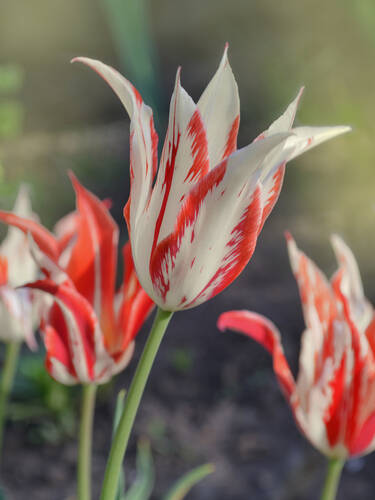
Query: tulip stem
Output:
(132,401)
(331,484)
(85,442)
(9,370)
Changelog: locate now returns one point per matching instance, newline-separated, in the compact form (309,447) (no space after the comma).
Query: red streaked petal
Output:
(143,137)
(266,333)
(75,322)
(184,161)
(135,306)
(271,188)
(215,232)
(361,310)
(92,264)
(219,106)
(44,239)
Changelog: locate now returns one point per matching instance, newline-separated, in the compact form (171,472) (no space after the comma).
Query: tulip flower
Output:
(17,306)
(194,228)
(89,331)
(333,398)
(195,216)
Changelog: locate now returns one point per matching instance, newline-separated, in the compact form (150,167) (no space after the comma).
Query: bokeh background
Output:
(212,397)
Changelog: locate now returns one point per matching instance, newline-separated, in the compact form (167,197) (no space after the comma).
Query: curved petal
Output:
(143,138)
(73,320)
(219,107)
(272,182)
(44,239)
(92,264)
(265,333)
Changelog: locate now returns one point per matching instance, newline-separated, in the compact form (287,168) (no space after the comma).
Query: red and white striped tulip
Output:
(333,398)
(195,227)
(89,331)
(17,306)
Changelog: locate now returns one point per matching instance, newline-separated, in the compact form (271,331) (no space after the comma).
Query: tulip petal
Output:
(272,182)
(44,239)
(184,161)
(74,321)
(135,305)
(143,138)
(219,106)
(197,260)
(266,333)
(92,264)
(318,302)
(351,284)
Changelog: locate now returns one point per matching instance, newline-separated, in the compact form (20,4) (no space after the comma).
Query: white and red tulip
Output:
(195,227)
(333,398)
(89,331)
(17,306)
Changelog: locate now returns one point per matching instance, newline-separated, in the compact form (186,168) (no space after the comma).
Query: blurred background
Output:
(212,397)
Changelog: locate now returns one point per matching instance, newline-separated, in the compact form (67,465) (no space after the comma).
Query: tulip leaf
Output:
(182,487)
(142,488)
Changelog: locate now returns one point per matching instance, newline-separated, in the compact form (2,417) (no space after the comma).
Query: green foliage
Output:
(39,399)
(182,487)
(182,360)
(11,110)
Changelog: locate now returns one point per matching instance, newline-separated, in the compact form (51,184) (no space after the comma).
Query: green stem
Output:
(9,370)
(132,401)
(85,442)
(331,484)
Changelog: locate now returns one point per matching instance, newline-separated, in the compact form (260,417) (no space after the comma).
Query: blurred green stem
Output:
(132,401)
(9,370)
(85,442)
(331,484)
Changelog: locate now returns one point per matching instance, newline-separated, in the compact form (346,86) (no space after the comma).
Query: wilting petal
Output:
(266,333)
(197,261)
(219,106)
(92,264)
(143,138)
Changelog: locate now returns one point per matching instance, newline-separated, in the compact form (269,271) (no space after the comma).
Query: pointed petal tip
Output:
(288,236)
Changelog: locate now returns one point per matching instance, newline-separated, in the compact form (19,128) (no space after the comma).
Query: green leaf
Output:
(182,487)
(142,488)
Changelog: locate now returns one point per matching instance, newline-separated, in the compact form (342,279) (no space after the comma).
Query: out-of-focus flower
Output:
(90,329)
(17,312)
(194,230)
(333,399)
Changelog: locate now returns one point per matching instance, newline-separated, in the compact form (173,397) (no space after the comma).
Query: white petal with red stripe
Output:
(219,106)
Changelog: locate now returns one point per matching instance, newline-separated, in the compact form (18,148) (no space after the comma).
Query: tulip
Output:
(17,306)
(89,329)
(333,398)
(194,228)
(194,220)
